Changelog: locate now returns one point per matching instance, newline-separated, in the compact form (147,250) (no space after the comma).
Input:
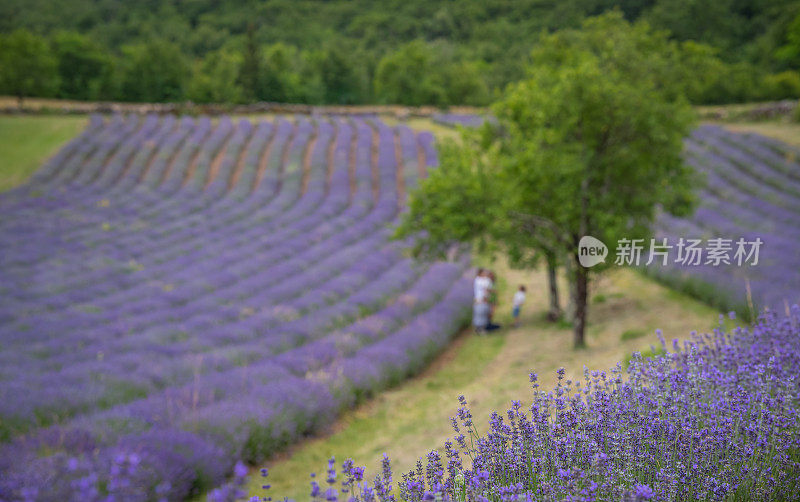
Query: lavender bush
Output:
(715,418)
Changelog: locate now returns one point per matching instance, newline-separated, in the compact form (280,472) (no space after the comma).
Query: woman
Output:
(480,307)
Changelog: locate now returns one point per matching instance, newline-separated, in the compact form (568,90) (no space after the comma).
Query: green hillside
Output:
(411,52)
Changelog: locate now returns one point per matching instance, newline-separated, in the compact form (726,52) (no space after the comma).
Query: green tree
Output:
(216,79)
(457,203)
(465,201)
(735,83)
(465,83)
(83,66)
(250,71)
(409,76)
(783,85)
(154,71)
(26,66)
(279,79)
(701,71)
(595,140)
(287,76)
(589,144)
(694,19)
(789,52)
(344,81)
(705,78)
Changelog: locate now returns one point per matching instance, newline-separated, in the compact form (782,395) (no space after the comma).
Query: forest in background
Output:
(409,52)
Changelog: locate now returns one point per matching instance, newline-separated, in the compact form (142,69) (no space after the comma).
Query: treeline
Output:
(71,65)
(412,52)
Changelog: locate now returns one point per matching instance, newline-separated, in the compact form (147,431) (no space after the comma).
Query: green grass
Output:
(601,298)
(782,130)
(423,124)
(28,141)
(632,334)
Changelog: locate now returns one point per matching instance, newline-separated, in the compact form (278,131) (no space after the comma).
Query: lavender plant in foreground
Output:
(715,418)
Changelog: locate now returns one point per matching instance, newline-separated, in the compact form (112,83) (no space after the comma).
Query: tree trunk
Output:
(554,313)
(581,287)
(581,274)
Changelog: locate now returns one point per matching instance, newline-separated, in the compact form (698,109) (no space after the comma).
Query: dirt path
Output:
(113,152)
(310,146)
(174,157)
(263,161)
(422,168)
(330,156)
(351,161)
(374,162)
(401,169)
(233,178)
(155,151)
(213,170)
(285,156)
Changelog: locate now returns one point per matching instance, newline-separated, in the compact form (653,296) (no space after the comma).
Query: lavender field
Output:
(751,191)
(179,294)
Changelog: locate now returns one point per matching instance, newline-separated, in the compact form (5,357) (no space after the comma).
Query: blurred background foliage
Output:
(409,52)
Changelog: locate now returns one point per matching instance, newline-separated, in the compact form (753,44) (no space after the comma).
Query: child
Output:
(519,299)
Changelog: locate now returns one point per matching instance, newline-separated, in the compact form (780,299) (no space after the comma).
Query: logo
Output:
(591,251)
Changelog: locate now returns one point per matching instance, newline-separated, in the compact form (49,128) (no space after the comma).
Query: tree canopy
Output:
(26,66)
(318,51)
(154,71)
(588,144)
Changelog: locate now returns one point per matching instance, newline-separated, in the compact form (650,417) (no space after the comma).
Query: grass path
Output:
(26,142)
(409,420)
(788,132)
